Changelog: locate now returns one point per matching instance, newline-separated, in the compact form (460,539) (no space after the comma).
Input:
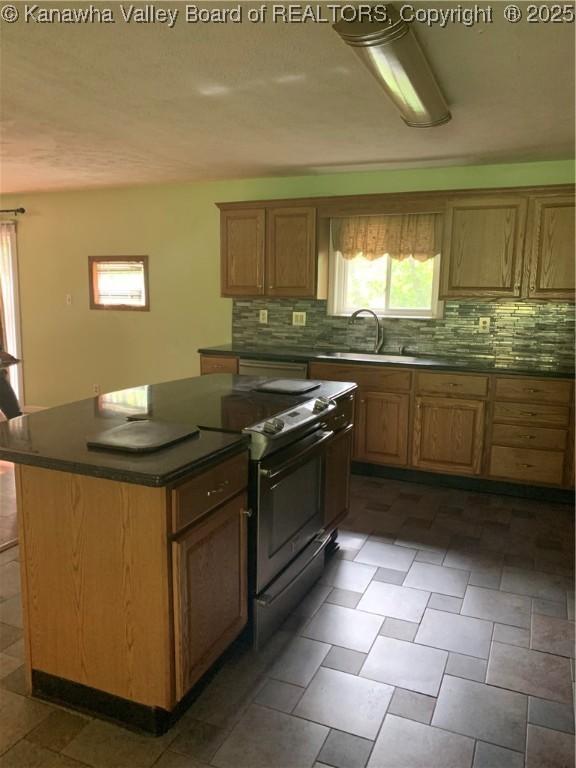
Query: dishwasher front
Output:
(270,369)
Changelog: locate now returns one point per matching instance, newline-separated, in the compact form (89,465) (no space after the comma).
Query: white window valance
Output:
(399,236)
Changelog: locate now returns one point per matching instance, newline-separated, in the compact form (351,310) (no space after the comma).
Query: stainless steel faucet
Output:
(379,330)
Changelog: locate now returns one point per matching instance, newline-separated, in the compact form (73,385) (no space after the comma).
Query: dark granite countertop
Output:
(288,354)
(221,405)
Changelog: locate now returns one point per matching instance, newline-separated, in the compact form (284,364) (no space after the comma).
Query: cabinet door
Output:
(291,252)
(210,598)
(483,246)
(448,435)
(550,247)
(337,478)
(382,428)
(242,240)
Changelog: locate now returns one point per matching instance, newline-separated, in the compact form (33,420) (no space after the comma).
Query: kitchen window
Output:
(119,282)
(390,264)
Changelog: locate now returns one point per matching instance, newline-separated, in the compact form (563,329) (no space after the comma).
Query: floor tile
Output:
(349,628)
(198,740)
(386,555)
(486,577)
(552,635)
(345,702)
(343,750)
(265,738)
(9,635)
(10,579)
(25,754)
(344,660)
(551,714)
(401,630)
(453,632)
(407,744)
(406,665)
(11,611)
(445,603)
(16,650)
(18,715)
(414,706)
(481,711)
(549,608)
(538,674)
(170,759)
(390,576)
(468,667)
(497,606)
(491,756)
(351,539)
(546,586)
(278,695)
(429,556)
(57,730)
(8,664)
(346,574)
(471,558)
(299,661)
(549,749)
(421,539)
(504,633)
(393,601)
(104,745)
(436,578)
(313,600)
(344,597)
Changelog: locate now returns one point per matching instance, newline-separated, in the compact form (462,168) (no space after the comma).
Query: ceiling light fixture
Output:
(393,55)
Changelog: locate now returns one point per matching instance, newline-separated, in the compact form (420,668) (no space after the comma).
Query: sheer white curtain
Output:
(9,288)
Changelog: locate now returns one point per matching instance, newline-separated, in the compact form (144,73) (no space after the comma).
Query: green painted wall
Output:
(67,349)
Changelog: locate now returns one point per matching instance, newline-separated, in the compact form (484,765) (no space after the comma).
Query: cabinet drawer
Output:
(204,492)
(529,437)
(519,413)
(452,384)
(533,390)
(527,465)
(213,364)
(371,377)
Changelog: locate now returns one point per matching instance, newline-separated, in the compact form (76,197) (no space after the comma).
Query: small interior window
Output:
(119,282)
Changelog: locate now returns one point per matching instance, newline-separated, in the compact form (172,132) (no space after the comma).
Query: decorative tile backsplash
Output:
(522,334)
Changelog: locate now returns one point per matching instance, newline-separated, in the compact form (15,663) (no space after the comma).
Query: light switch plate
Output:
(298,318)
(263,317)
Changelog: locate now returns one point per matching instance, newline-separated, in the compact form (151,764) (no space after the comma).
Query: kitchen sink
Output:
(373,357)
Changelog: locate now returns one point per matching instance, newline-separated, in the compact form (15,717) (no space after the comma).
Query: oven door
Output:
(290,502)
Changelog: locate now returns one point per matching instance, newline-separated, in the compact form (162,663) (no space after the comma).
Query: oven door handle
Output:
(272,474)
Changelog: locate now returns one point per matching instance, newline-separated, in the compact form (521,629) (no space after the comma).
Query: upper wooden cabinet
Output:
(483,245)
(268,251)
(550,247)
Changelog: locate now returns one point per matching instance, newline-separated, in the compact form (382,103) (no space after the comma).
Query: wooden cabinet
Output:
(483,247)
(210,590)
(550,251)
(242,243)
(337,478)
(448,435)
(382,428)
(268,251)
(218,364)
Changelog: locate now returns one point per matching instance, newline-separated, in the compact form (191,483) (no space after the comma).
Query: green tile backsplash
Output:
(522,334)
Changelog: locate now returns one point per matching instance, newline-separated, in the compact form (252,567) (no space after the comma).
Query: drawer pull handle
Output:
(526,466)
(219,488)
(532,391)
(527,437)
(529,413)
(453,384)
(246,512)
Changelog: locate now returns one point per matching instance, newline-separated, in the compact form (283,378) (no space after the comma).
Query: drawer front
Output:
(202,493)
(533,390)
(210,364)
(452,384)
(370,377)
(527,465)
(529,437)
(525,413)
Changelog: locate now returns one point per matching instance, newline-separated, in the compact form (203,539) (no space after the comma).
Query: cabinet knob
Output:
(246,512)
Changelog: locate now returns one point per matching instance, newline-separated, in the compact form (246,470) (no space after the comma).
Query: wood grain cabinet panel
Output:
(448,435)
(382,428)
(531,414)
(242,243)
(337,477)
(483,245)
(210,583)
(528,465)
(213,364)
(370,377)
(533,390)
(291,252)
(529,437)
(467,385)
(550,253)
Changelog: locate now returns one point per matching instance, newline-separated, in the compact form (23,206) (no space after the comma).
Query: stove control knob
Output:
(321,404)
(273,426)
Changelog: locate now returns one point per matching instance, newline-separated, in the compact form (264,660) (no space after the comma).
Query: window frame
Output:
(93,260)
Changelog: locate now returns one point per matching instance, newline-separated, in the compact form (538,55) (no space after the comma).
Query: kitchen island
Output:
(135,567)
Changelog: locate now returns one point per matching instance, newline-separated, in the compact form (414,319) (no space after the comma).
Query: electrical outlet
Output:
(484,325)
(263,317)
(96,389)
(299,318)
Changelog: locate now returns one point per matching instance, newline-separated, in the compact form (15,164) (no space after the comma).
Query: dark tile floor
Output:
(441,636)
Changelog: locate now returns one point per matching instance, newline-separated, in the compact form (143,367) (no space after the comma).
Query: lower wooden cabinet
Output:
(209,563)
(382,428)
(448,435)
(337,477)
(215,364)
(527,465)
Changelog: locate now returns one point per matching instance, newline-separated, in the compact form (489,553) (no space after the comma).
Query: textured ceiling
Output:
(85,105)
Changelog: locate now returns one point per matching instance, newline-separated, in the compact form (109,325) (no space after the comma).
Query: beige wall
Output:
(68,349)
